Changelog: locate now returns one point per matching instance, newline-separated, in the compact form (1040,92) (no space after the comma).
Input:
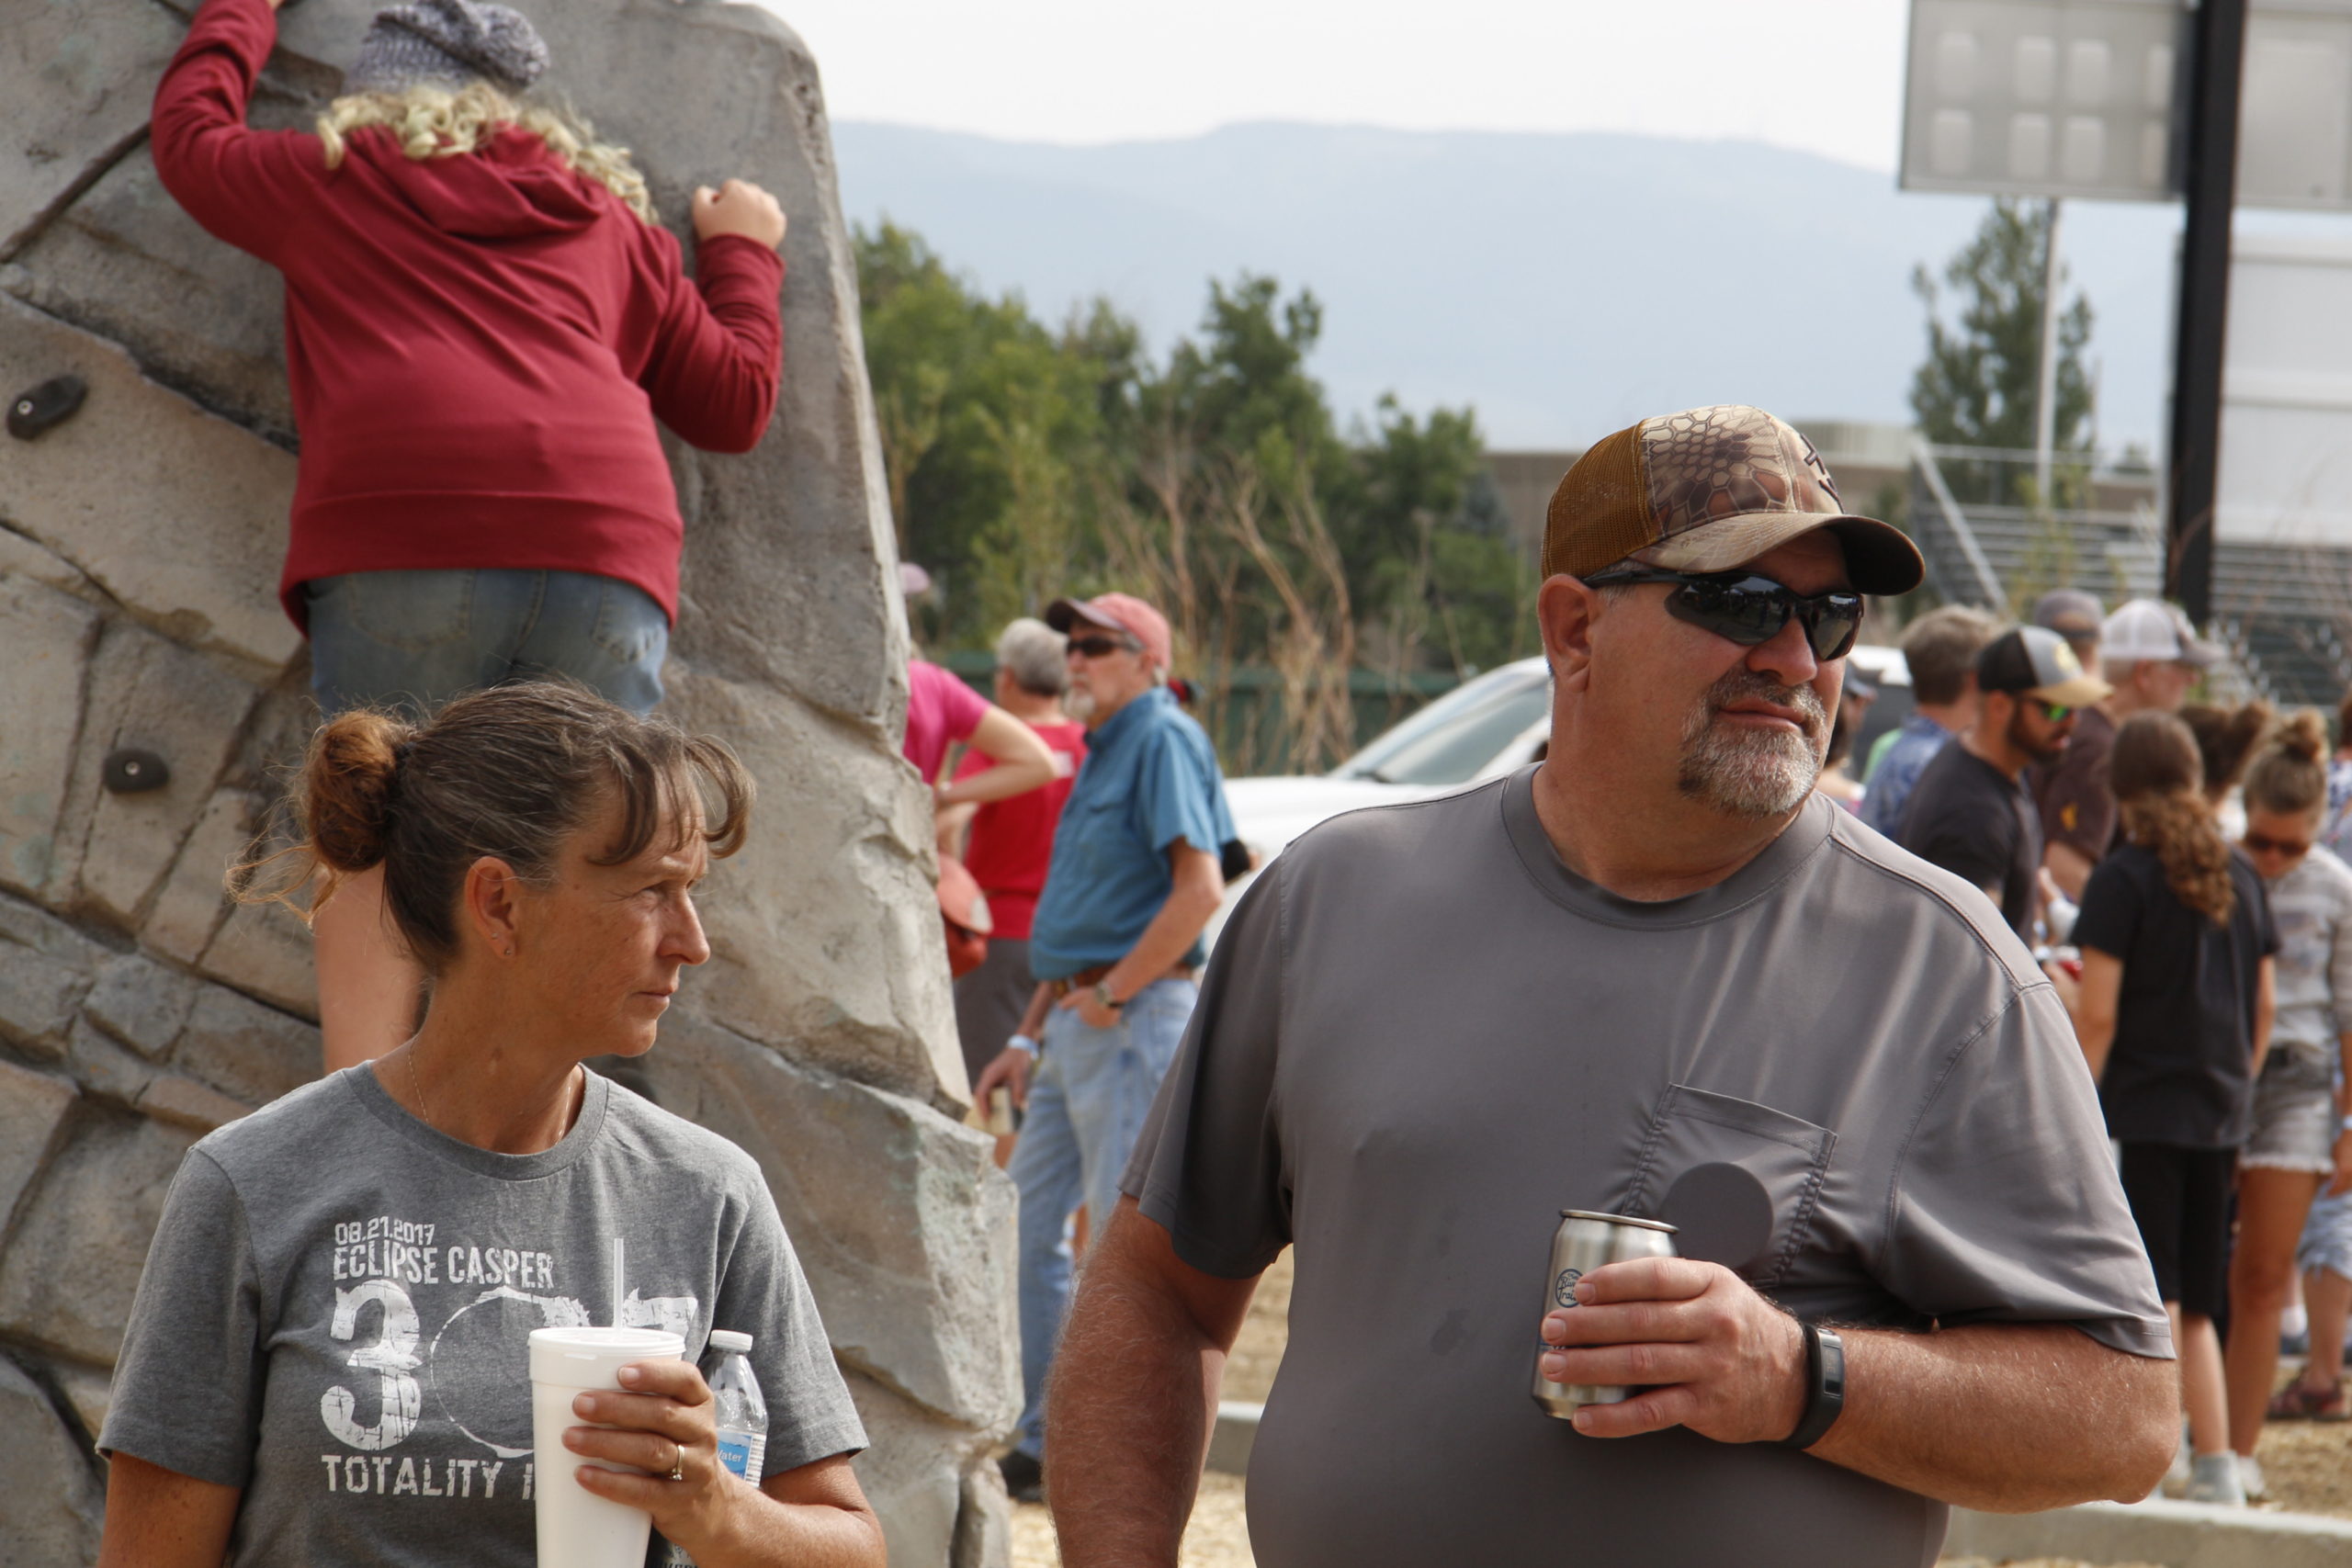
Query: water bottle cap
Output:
(729,1339)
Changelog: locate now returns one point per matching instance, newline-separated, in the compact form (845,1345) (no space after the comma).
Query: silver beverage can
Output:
(1583,1243)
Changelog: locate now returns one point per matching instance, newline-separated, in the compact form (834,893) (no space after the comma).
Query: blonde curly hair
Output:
(436,122)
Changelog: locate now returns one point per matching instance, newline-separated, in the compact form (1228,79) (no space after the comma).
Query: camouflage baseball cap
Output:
(1707,489)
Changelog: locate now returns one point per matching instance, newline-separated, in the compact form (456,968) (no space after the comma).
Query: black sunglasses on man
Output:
(1743,607)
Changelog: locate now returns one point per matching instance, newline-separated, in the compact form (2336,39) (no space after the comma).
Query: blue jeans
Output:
(413,639)
(1087,1104)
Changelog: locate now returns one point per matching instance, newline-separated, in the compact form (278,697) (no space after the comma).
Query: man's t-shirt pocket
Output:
(1789,1155)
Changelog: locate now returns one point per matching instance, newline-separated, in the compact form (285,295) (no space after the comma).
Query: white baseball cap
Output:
(2145,629)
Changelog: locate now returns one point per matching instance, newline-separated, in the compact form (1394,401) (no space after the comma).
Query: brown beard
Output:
(1759,776)
(2040,751)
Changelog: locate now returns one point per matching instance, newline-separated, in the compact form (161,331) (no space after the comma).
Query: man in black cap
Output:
(1970,812)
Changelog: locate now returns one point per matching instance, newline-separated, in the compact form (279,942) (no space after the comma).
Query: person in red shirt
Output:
(483,322)
(943,712)
(1010,841)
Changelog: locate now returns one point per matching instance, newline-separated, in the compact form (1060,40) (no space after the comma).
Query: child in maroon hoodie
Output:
(482,324)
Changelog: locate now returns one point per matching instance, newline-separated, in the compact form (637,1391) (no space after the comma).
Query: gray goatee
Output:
(1749,773)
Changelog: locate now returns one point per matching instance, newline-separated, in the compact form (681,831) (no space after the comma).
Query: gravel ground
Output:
(2309,1467)
(1217,1537)
(2308,1464)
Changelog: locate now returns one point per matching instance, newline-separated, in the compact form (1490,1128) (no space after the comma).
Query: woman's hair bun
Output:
(349,784)
(2304,735)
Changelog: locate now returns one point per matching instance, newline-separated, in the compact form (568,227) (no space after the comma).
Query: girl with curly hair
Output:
(2174,1016)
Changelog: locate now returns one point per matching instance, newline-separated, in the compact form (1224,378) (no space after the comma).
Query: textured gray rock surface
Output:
(188,512)
(50,1506)
(77,79)
(139,544)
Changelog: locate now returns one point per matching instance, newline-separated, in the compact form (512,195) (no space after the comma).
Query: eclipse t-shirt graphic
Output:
(336,1311)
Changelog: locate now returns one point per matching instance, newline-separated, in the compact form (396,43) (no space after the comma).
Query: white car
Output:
(1486,726)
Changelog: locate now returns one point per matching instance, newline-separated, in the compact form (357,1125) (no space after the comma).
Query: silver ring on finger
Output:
(677,1459)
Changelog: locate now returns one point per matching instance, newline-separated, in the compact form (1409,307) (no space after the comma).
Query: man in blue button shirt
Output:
(1135,873)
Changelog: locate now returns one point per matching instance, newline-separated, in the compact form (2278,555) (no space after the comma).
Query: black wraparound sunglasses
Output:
(1741,607)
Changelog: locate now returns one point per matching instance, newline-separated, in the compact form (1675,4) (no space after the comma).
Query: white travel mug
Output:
(578,1528)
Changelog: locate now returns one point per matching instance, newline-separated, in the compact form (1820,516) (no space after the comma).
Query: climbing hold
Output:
(134,771)
(52,403)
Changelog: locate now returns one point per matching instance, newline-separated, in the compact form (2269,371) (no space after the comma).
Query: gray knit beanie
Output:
(449,43)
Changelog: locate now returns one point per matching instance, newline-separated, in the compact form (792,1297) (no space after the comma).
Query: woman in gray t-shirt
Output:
(325,1363)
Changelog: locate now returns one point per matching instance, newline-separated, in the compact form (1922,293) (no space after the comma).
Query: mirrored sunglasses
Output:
(1749,610)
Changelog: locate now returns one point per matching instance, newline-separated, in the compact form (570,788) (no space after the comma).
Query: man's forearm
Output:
(1198,888)
(2096,1037)
(2069,868)
(1041,1005)
(2007,1418)
(1162,947)
(1129,1408)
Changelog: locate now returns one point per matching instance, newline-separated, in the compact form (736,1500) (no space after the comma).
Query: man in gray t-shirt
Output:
(1429,1027)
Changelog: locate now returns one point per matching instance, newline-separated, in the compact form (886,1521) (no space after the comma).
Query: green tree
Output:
(1024,462)
(1980,382)
(1430,559)
(990,423)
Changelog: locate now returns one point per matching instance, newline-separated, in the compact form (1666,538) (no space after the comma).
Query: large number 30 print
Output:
(391,1356)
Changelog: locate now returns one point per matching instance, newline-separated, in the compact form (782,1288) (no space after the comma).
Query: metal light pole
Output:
(2045,407)
(2217,61)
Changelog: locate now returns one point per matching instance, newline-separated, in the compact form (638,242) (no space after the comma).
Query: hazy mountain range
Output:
(1564,285)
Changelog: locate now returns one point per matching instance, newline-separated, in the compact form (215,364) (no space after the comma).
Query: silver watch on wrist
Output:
(1103,994)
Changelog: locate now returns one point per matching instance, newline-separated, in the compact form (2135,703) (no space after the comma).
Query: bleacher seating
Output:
(2284,611)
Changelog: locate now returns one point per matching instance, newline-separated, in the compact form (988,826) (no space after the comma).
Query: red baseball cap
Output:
(1118,612)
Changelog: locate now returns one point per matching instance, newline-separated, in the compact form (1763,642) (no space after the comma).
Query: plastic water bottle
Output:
(741,1415)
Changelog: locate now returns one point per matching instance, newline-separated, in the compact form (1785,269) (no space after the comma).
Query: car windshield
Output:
(1451,740)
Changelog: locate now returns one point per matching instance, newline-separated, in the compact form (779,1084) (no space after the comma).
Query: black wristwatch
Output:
(1103,994)
(1825,1379)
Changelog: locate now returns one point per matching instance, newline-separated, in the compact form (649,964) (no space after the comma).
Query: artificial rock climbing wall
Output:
(140,541)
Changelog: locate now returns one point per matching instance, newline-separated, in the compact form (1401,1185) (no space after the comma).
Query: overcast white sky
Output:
(1823,76)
